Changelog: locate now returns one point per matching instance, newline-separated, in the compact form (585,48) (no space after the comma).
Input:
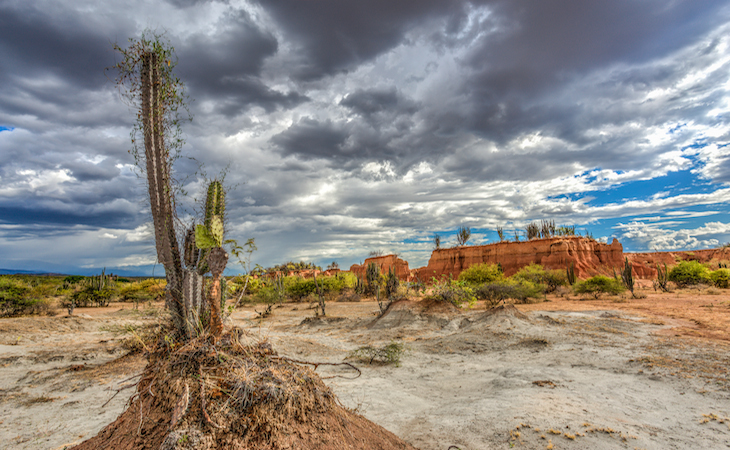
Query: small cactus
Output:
(570,273)
(662,279)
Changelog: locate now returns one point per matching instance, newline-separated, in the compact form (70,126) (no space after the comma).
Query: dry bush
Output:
(348,295)
(563,291)
(388,354)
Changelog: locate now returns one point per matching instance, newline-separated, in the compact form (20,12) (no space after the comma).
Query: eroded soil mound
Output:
(235,395)
(502,318)
(422,314)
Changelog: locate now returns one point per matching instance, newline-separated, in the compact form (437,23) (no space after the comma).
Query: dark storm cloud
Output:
(38,39)
(383,133)
(85,171)
(226,67)
(337,36)
(368,103)
(44,215)
(310,138)
(549,44)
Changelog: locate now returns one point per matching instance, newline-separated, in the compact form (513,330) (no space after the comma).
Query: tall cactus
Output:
(662,278)
(570,273)
(159,185)
(627,276)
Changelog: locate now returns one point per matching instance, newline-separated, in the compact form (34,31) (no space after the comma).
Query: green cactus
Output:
(662,279)
(372,279)
(627,276)
(209,238)
(391,284)
(570,273)
(215,203)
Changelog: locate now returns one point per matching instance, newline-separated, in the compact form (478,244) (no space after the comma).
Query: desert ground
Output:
(567,373)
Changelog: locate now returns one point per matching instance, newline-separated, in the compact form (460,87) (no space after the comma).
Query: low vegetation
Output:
(481,273)
(599,284)
(25,294)
(688,273)
(21,295)
(457,292)
(387,354)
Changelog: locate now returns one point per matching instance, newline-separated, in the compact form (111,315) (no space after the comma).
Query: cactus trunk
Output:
(160,190)
(217,259)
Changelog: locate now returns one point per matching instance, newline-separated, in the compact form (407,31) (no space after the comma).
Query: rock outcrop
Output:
(385,263)
(588,256)
(644,264)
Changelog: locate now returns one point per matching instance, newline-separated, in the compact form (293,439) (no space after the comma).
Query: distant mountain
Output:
(29,272)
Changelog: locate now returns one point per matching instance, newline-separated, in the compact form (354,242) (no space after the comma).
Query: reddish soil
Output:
(689,312)
(229,395)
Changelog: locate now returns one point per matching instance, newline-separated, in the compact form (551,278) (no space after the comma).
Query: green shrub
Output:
(481,273)
(548,280)
(142,291)
(689,272)
(73,279)
(91,296)
(299,288)
(721,278)
(267,295)
(515,289)
(457,293)
(18,297)
(600,284)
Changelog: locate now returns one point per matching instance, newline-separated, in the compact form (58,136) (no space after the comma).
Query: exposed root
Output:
(234,395)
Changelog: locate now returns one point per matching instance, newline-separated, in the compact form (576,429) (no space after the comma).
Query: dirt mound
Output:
(421,314)
(235,395)
(503,317)
(432,306)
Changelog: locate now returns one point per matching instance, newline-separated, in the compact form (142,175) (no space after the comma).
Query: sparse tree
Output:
(462,235)
(500,233)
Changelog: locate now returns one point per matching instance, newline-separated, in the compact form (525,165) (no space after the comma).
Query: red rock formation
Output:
(588,256)
(385,263)
(644,264)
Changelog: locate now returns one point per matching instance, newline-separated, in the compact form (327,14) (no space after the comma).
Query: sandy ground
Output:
(565,374)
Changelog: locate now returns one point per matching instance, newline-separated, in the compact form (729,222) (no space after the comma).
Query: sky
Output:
(346,128)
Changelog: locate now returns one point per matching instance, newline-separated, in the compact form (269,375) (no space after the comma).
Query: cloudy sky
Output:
(350,127)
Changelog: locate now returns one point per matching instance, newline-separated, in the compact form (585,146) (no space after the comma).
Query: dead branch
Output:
(123,387)
(317,364)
